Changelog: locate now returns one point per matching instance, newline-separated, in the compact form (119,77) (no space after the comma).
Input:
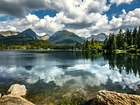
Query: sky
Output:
(83,17)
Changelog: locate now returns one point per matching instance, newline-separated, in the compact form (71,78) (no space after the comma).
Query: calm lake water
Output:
(51,75)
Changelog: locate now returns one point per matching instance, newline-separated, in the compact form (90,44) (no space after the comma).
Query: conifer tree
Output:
(134,36)
(138,38)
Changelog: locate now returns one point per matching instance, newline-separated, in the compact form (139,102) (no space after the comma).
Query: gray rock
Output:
(0,95)
(17,90)
(112,98)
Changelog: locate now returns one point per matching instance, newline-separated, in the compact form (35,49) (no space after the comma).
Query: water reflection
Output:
(69,71)
(128,62)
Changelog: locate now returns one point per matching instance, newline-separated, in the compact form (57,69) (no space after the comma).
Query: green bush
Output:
(66,101)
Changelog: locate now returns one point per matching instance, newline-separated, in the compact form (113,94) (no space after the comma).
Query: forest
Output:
(128,41)
(33,44)
(124,41)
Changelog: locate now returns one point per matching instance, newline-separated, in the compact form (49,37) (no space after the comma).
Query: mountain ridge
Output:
(9,33)
(99,37)
(65,37)
(59,37)
(28,33)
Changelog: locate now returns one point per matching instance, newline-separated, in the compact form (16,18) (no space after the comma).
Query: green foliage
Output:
(1,46)
(64,47)
(66,101)
(138,38)
(92,46)
(38,44)
(125,45)
(120,39)
(134,36)
(124,41)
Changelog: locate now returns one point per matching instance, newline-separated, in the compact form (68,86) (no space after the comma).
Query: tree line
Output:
(128,40)
(35,44)
(93,46)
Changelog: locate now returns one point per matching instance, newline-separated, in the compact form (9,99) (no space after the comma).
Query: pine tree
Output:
(87,45)
(128,37)
(92,41)
(138,38)
(114,46)
(84,46)
(120,39)
(134,36)
(106,43)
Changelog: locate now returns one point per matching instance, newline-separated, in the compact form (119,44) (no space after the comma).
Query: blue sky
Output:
(83,17)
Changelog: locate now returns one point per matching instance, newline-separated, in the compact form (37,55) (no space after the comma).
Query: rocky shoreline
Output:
(16,94)
(113,98)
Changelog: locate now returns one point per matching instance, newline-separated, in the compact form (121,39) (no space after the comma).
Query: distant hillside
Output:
(1,36)
(29,34)
(65,37)
(24,36)
(45,37)
(99,37)
(9,33)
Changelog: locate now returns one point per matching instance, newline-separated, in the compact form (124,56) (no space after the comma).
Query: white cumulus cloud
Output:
(126,20)
(84,18)
(118,2)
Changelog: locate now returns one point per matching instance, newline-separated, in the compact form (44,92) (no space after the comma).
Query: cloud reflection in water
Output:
(83,74)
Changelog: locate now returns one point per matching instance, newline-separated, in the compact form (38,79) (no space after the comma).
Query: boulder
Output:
(112,98)
(17,90)
(13,100)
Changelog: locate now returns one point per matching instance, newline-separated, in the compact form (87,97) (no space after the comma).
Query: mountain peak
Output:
(65,37)
(99,37)
(29,30)
(29,33)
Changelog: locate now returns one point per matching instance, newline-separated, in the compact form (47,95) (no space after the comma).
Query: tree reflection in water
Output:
(128,62)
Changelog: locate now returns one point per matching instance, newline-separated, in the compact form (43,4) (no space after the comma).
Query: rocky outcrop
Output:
(112,98)
(14,98)
(17,90)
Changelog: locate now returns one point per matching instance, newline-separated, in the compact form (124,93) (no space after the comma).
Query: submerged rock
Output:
(112,98)
(13,100)
(17,90)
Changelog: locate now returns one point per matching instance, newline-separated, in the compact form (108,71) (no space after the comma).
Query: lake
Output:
(51,75)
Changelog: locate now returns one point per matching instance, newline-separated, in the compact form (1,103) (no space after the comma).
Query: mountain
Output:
(45,37)
(24,36)
(99,37)
(9,33)
(28,34)
(1,36)
(65,37)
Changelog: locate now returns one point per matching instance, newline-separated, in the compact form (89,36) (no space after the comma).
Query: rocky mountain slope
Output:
(65,37)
